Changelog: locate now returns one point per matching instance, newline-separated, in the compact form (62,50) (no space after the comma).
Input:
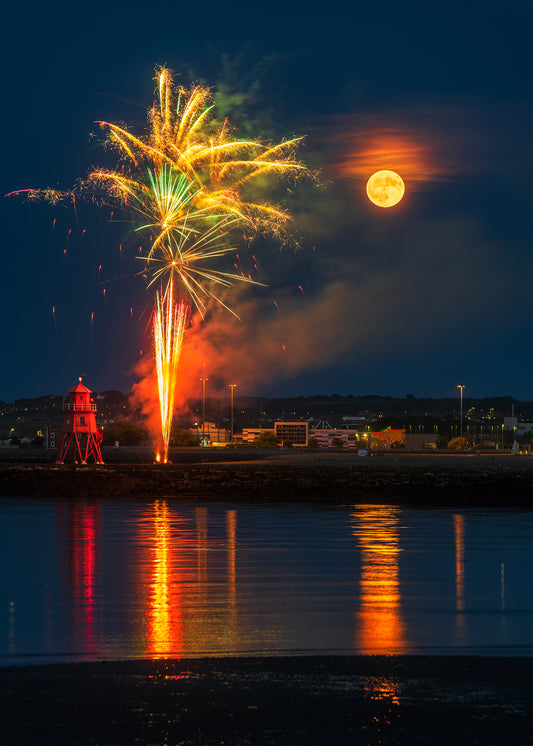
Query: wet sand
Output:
(295,700)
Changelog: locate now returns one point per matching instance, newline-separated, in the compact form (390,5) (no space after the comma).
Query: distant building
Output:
(325,437)
(520,428)
(52,436)
(387,438)
(421,442)
(210,432)
(296,433)
(249,434)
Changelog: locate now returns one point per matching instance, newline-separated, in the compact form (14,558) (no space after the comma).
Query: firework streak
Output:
(169,321)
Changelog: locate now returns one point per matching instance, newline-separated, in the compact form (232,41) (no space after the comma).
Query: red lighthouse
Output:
(79,427)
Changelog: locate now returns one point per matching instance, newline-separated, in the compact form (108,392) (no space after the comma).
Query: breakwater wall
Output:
(429,482)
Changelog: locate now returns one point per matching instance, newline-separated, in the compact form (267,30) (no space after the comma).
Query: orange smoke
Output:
(408,154)
(418,144)
(265,347)
(145,396)
(222,349)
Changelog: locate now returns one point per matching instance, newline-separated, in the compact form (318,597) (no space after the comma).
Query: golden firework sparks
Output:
(183,133)
(169,321)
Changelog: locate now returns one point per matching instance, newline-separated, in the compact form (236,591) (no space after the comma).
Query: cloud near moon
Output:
(423,145)
(375,149)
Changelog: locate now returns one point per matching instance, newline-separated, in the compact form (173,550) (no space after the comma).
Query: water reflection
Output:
(111,579)
(379,627)
(201,543)
(164,627)
(79,529)
(459,534)
(231,528)
(460,620)
(188,608)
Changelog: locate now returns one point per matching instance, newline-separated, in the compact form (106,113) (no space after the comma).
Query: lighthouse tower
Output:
(79,430)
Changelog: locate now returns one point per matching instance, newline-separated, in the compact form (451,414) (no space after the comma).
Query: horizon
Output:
(218,395)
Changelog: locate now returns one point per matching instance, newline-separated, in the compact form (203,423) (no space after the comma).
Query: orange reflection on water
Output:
(459,534)
(201,543)
(459,531)
(164,628)
(231,528)
(379,627)
(188,610)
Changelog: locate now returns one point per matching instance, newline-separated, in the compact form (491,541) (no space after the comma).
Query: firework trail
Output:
(169,321)
(55,322)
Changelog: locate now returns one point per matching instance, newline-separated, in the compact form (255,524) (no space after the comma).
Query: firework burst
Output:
(224,171)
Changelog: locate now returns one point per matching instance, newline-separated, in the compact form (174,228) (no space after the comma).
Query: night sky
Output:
(414,299)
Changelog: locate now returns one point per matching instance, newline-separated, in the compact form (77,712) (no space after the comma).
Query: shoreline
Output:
(284,700)
(328,478)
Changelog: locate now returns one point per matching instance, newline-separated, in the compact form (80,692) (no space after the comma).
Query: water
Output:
(110,579)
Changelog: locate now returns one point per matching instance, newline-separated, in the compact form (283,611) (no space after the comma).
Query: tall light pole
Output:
(232,386)
(461,386)
(204,381)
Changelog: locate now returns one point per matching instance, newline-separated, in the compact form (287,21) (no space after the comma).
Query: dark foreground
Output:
(300,700)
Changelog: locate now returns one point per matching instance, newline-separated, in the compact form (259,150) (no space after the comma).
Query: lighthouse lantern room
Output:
(79,431)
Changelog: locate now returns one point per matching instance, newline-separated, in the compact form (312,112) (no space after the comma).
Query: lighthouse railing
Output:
(73,407)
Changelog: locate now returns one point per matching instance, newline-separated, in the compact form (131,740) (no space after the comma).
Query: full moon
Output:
(385,188)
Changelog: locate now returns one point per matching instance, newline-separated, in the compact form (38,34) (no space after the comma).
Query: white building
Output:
(520,428)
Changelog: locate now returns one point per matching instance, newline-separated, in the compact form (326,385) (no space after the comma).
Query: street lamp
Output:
(204,381)
(232,386)
(461,386)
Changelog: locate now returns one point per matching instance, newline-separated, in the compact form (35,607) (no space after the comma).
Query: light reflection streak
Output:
(231,529)
(379,624)
(164,613)
(459,534)
(188,608)
(79,526)
(201,546)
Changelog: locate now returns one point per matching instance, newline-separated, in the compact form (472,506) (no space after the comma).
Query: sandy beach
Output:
(294,700)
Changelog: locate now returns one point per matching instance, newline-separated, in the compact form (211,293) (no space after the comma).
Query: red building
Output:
(387,438)
(80,432)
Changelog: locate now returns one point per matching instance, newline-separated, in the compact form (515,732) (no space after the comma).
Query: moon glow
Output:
(385,188)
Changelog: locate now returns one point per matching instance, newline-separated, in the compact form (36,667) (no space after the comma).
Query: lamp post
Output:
(461,386)
(204,381)
(232,386)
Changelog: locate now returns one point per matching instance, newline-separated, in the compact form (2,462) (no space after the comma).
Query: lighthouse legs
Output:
(83,448)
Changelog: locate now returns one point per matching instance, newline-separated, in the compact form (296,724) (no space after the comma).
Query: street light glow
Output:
(461,386)
(232,386)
